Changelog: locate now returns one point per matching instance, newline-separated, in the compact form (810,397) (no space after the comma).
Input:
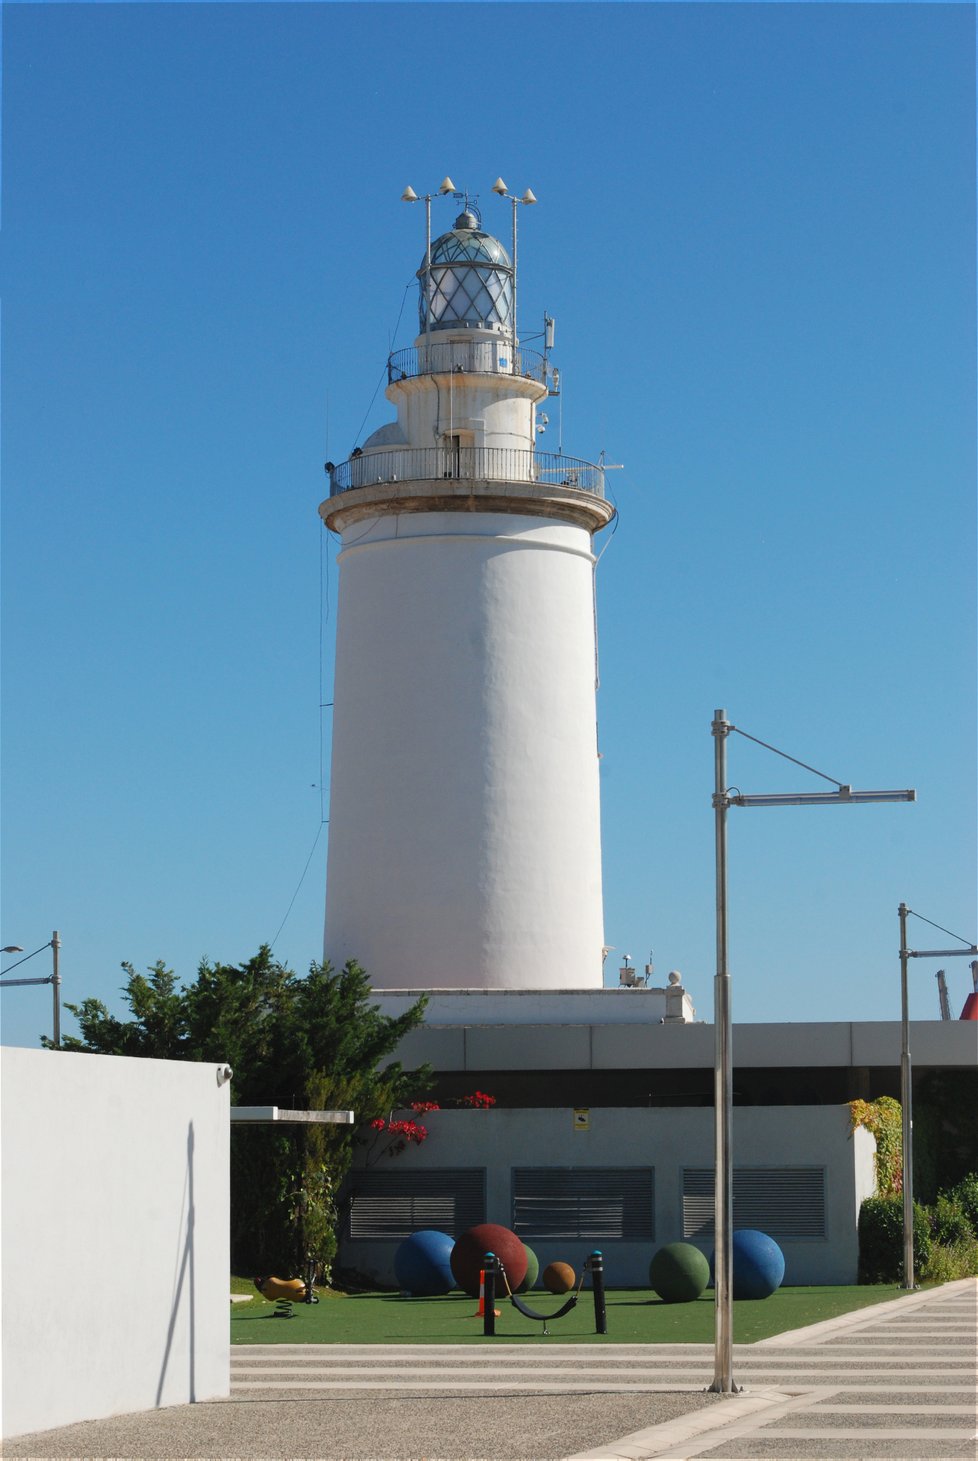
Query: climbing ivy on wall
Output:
(883,1119)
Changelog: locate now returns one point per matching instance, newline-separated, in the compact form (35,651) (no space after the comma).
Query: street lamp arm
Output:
(845,796)
(24,961)
(941,953)
(940,928)
(794,759)
(54,979)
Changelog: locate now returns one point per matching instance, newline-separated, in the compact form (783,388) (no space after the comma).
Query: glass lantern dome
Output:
(469,281)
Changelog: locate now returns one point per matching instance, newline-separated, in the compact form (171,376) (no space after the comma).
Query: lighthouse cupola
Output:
(467,282)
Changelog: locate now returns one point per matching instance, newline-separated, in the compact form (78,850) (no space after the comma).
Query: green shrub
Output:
(950,1222)
(952,1260)
(966,1193)
(881,1240)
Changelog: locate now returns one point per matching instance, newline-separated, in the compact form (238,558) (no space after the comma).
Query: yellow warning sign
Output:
(582,1118)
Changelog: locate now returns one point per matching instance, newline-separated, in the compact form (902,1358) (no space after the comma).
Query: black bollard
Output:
(489,1314)
(597,1286)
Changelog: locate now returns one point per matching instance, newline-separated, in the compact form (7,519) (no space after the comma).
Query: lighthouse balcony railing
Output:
(372,468)
(470,357)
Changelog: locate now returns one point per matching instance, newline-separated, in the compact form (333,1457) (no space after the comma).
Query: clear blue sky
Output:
(756,230)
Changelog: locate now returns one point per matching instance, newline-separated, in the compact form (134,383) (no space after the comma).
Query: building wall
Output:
(619,1006)
(606,1043)
(114,1231)
(668,1141)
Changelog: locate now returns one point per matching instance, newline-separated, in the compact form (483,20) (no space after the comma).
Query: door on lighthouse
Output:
(458,454)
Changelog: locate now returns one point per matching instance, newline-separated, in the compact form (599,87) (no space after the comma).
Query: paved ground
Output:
(896,1381)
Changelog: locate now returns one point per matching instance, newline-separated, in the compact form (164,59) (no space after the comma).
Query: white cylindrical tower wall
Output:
(464,817)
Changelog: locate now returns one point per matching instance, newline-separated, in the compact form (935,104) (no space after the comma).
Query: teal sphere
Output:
(679,1273)
(532,1270)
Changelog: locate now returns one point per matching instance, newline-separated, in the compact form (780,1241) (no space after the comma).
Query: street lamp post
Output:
(723,1381)
(906,1074)
(54,979)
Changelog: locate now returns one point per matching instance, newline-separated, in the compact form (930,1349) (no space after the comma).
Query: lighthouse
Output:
(464,836)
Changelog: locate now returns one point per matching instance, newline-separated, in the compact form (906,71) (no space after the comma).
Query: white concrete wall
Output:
(668,1141)
(114,1232)
(464,840)
(610,1044)
(640,1005)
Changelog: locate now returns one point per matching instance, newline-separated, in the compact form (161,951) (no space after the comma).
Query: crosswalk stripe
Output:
(876,1386)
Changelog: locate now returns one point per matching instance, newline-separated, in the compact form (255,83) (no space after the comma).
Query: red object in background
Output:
(471,1248)
(970,1011)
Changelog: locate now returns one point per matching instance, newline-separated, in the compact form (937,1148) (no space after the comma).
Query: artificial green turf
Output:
(635,1316)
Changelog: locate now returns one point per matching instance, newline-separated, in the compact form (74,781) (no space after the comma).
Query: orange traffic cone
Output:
(480,1311)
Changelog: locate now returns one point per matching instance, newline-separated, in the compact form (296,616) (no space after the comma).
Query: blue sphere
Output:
(758,1264)
(422,1264)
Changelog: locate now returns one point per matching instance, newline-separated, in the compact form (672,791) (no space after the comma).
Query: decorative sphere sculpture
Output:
(471,1249)
(758,1264)
(679,1273)
(422,1264)
(532,1271)
(559,1278)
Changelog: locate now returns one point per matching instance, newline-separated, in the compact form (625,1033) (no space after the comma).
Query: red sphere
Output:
(469,1253)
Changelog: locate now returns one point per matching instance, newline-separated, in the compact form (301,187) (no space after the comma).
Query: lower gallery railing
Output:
(467,463)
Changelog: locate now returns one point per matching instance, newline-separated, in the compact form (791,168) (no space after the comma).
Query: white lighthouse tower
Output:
(464,839)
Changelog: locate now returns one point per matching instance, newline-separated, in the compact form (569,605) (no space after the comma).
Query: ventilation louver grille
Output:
(395,1204)
(784,1202)
(584,1202)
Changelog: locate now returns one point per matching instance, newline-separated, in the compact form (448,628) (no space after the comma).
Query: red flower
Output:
(408,1131)
(379,1125)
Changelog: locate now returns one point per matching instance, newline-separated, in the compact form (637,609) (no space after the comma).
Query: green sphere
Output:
(679,1273)
(532,1271)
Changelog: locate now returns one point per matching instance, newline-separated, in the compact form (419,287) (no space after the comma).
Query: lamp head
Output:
(409,195)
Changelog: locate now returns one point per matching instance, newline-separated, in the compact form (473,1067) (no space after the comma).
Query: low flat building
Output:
(601,1132)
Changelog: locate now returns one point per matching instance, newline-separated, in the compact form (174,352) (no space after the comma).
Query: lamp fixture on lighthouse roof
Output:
(468,280)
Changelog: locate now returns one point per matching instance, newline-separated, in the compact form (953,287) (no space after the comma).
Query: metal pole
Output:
(723,1381)
(427,276)
(56,988)
(513,363)
(906,1106)
(489,1291)
(597,1287)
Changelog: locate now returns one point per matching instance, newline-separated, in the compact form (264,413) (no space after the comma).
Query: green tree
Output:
(158,1027)
(315,1042)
